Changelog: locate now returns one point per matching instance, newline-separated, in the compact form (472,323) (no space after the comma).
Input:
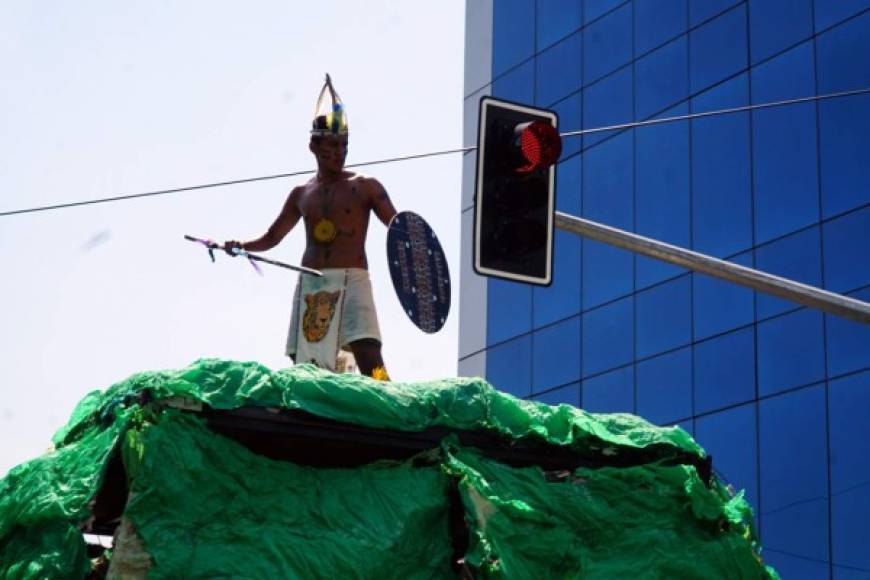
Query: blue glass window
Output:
(662,192)
(724,369)
(790,351)
(592,9)
(557,19)
(509,366)
(797,257)
(661,78)
(848,342)
(657,22)
(568,185)
(517,85)
(794,473)
(608,182)
(720,305)
(830,12)
(607,273)
(562,298)
(607,44)
(509,310)
(786,176)
(606,103)
(850,471)
(849,400)
(846,240)
(608,339)
(843,55)
(718,49)
(732,93)
(788,76)
(796,567)
(843,572)
(730,437)
(664,317)
(569,394)
(785,146)
(513,33)
(607,198)
(610,393)
(844,143)
(721,180)
(664,387)
(570,119)
(701,10)
(558,71)
(774,25)
(556,355)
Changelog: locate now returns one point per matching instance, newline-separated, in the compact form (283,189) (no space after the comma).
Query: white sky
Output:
(106,98)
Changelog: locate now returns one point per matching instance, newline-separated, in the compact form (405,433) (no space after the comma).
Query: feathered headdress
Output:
(329,115)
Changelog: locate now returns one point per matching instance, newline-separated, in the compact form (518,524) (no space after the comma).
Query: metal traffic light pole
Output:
(500,174)
(503,186)
(811,296)
(804,294)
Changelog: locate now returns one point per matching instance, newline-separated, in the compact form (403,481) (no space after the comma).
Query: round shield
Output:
(419,271)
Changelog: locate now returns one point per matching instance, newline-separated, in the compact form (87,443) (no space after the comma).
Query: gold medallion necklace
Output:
(325,231)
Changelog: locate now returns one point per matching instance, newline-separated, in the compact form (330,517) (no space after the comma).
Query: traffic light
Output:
(517,148)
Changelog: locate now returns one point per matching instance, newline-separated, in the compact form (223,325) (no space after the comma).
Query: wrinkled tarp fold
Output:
(461,403)
(601,523)
(205,506)
(42,501)
(202,504)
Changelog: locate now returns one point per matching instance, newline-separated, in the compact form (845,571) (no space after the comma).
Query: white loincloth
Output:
(342,319)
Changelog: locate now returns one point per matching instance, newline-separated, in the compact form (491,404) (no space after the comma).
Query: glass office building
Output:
(778,394)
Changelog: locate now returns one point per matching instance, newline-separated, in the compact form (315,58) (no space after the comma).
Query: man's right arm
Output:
(285,221)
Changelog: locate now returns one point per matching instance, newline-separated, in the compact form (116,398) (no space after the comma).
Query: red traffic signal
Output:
(517,148)
(540,145)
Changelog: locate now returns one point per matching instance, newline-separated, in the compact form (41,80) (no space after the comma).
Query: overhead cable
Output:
(577,133)
(703,114)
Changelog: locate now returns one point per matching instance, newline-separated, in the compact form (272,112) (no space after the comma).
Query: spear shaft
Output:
(215,246)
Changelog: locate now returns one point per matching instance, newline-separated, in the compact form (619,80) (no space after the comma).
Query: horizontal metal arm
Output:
(811,296)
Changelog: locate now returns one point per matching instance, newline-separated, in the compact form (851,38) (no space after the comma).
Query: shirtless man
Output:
(335,206)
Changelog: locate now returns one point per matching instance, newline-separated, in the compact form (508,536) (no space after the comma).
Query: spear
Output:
(252,258)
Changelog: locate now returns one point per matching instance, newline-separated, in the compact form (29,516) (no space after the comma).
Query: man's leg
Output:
(367,352)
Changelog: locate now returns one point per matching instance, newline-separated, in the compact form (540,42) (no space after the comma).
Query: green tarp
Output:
(203,505)
(650,521)
(207,507)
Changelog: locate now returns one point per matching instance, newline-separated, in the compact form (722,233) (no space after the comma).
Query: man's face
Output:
(330,151)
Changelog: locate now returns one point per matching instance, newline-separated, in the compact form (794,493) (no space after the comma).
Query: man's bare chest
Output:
(341,203)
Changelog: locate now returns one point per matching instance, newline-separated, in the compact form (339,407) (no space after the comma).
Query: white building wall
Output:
(472,288)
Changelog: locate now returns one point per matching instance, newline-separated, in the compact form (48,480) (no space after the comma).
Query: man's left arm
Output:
(381,203)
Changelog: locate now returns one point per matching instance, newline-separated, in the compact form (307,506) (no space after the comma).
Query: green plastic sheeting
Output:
(236,514)
(49,549)
(602,523)
(464,403)
(203,505)
(42,502)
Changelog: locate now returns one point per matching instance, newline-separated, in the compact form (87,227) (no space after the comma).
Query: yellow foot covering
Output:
(380,374)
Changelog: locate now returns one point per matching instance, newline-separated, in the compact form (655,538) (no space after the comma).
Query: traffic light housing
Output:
(517,148)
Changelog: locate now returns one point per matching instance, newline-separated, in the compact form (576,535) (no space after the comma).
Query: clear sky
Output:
(108,98)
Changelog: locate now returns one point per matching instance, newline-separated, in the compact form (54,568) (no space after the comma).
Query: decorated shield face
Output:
(330,118)
(419,271)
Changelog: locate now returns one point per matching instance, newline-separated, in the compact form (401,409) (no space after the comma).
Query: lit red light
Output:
(540,145)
